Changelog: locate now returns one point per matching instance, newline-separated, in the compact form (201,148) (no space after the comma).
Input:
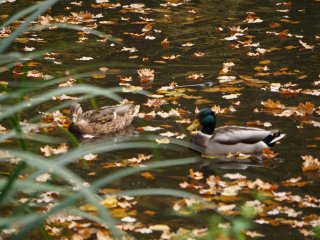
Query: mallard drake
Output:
(103,120)
(230,139)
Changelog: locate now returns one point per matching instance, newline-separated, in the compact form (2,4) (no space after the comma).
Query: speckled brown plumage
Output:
(103,120)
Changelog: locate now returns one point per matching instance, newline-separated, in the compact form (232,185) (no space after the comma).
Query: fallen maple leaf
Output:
(172,57)
(48,151)
(268,153)
(132,88)
(295,182)
(254,234)
(128,219)
(147,175)
(198,54)
(68,83)
(155,103)
(187,44)
(305,45)
(195,76)
(234,176)
(109,202)
(163,141)
(150,129)
(90,157)
(273,105)
(146,74)
(304,109)
(140,158)
(195,175)
(171,113)
(231,96)
(231,190)
(252,18)
(310,163)
(43,177)
(2,128)
(165,43)
(168,134)
(84,58)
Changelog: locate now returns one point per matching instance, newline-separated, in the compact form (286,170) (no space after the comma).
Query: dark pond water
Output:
(206,25)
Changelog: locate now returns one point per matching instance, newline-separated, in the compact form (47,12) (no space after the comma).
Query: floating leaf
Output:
(84,58)
(48,151)
(163,141)
(231,96)
(150,129)
(90,157)
(146,74)
(128,219)
(305,45)
(310,163)
(273,105)
(110,202)
(147,175)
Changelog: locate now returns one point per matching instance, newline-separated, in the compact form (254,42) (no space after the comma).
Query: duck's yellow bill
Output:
(194,125)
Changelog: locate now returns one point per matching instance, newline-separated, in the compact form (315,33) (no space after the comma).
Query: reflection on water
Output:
(109,138)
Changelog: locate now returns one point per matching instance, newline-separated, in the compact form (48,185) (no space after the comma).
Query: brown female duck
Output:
(103,120)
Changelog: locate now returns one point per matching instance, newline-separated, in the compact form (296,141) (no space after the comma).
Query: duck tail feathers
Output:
(136,110)
(276,139)
(271,139)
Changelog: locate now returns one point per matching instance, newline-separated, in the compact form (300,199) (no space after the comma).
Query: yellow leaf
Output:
(223,89)
(147,175)
(21,40)
(159,227)
(98,76)
(290,47)
(273,105)
(110,202)
(121,212)
(132,88)
(265,62)
(163,141)
(88,207)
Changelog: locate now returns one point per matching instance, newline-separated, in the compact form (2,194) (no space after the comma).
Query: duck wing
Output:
(237,134)
(108,113)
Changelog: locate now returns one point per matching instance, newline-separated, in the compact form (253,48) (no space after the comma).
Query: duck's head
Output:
(207,119)
(75,112)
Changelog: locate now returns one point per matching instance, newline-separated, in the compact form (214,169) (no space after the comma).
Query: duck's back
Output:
(107,119)
(232,139)
(239,134)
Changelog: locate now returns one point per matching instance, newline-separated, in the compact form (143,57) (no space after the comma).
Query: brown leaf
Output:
(146,74)
(273,105)
(269,154)
(195,175)
(310,163)
(305,45)
(147,175)
(165,43)
(48,151)
(304,109)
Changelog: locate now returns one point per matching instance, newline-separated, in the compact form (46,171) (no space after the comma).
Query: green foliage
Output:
(317,231)
(233,229)
(26,217)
